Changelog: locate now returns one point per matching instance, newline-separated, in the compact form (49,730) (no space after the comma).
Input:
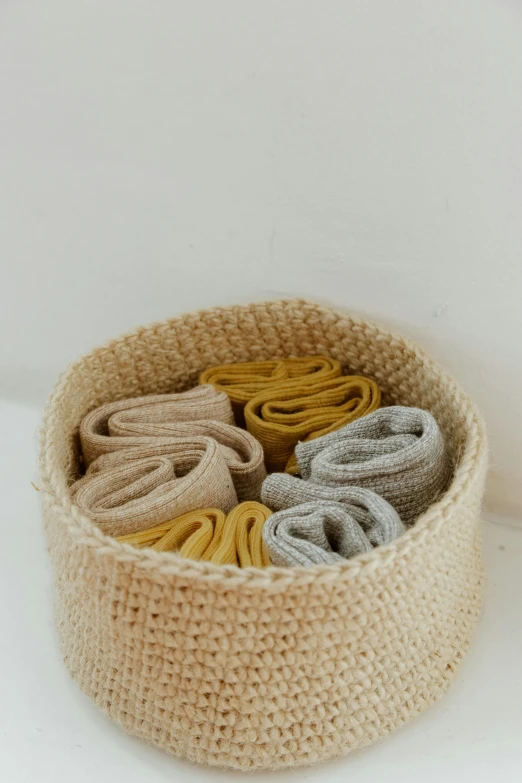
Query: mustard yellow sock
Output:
(240,541)
(280,417)
(191,533)
(249,520)
(223,546)
(208,534)
(244,380)
(146,537)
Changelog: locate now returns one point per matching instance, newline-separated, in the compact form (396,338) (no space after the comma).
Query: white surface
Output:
(161,156)
(50,732)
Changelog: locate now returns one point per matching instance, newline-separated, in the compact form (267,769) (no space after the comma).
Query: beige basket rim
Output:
(86,532)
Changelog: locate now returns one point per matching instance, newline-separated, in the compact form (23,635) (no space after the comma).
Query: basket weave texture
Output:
(257,669)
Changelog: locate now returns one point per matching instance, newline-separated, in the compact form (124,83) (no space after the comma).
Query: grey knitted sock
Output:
(398,452)
(323,531)
(377,519)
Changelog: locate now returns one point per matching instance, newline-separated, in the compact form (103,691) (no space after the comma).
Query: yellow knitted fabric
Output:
(245,380)
(282,416)
(208,534)
(239,541)
(191,533)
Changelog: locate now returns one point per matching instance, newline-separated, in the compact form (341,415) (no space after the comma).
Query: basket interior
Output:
(169,357)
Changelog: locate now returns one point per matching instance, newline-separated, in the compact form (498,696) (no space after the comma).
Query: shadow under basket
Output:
(264,669)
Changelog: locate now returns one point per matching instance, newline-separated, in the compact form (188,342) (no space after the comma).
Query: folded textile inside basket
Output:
(208,534)
(280,417)
(379,521)
(131,489)
(240,540)
(104,429)
(244,380)
(190,534)
(327,532)
(398,452)
(148,438)
(151,459)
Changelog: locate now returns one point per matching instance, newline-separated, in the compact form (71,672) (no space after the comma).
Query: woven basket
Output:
(257,669)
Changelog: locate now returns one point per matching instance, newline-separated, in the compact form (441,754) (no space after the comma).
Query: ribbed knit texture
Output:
(281,491)
(110,427)
(242,452)
(133,489)
(251,668)
(208,534)
(282,416)
(325,531)
(244,380)
(398,452)
(190,534)
(239,541)
(146,465)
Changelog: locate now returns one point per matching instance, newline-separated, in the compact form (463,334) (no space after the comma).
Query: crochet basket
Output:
(256,669)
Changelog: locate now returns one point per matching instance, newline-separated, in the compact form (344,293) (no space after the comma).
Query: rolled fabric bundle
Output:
(379,521)
(280,417)
(244,380)
(240,541)
(208,535)
(322,531)
(190,533)
(131,489)
(201,402)
(398,452)
(243,453)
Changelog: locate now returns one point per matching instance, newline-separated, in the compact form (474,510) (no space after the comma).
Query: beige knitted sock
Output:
(243,453)
(201,402)
(132,489)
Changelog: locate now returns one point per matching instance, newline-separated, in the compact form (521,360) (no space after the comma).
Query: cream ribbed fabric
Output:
(246,668)
(146,466)
(109,426)
(398,452)
(132,489)
(242,452)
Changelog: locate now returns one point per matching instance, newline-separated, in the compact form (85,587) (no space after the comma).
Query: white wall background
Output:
(158,156)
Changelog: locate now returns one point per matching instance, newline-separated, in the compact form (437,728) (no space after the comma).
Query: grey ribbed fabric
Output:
(398,452)
(377,519)
(326,532)
(313,533)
